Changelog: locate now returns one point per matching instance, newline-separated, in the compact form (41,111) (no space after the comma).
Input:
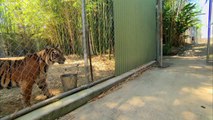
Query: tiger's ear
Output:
(47,47)
(58,47)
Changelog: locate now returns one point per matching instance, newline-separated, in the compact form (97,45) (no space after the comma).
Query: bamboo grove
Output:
(178,17)
(29,25)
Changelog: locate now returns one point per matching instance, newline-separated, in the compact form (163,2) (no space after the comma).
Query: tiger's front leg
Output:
(41,82)
(43,85)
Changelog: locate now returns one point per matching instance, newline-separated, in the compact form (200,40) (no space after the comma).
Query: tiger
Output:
(30,70)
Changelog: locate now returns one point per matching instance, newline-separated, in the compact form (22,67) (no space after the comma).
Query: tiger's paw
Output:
(28,104)
(50,95)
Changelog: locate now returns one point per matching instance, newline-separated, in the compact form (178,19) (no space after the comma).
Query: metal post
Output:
(158,31)
(84,28)
(161,32)
(90,58)
(160,8)
(209,30)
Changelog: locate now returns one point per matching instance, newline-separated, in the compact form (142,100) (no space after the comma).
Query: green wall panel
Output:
(135,33)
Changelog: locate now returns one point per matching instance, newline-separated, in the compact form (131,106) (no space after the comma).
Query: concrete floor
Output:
(182,91)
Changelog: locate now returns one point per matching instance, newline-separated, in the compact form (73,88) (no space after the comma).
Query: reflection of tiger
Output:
(29,70)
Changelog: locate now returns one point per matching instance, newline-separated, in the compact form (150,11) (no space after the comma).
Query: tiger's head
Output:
(54,55)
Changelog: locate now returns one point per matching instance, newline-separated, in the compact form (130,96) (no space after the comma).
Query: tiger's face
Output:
(55,55)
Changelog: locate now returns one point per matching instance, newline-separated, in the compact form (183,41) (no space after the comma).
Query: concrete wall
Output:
(135,33)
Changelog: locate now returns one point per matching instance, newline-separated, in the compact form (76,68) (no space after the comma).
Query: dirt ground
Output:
(10,100)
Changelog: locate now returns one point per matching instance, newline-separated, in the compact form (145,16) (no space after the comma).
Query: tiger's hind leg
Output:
(26,91)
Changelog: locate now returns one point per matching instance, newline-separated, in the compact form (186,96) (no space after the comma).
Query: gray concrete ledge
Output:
(69,103)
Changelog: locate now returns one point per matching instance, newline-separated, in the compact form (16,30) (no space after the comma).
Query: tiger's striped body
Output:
(29,70)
